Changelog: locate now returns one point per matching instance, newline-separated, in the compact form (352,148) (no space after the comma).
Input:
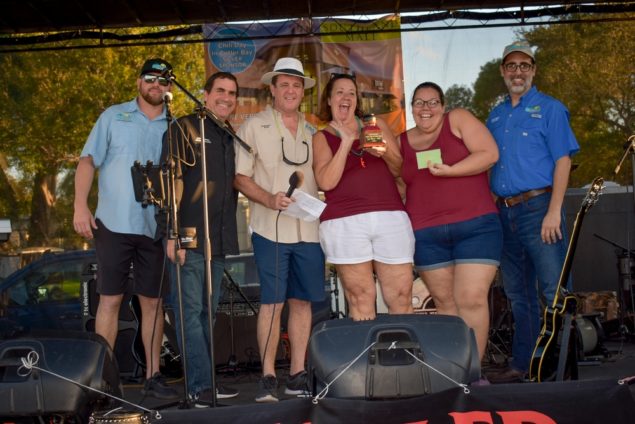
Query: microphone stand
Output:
(215,119)
(173,234)
(625,260)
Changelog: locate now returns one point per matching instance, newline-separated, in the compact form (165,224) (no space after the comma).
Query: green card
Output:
(433,156)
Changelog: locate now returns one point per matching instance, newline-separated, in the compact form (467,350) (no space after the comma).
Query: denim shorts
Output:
(476,241)
(289,270)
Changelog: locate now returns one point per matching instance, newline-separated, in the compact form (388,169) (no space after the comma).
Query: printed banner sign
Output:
(338,46)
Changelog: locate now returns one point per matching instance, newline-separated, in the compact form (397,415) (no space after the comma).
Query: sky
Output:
(449,57)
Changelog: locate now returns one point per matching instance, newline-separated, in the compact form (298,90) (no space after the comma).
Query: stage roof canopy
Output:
(22,16)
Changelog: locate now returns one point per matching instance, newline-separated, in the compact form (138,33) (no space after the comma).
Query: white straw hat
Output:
(288,66)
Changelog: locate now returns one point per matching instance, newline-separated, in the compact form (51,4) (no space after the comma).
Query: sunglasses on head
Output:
(336,76)
(150,79)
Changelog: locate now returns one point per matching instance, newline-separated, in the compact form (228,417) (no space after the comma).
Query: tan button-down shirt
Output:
(264,132)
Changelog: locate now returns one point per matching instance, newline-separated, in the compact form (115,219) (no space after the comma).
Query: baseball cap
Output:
(519,46)
(155,65)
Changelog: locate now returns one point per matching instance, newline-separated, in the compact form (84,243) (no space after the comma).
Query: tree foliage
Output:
(49,102)
(458,96)
(590,68)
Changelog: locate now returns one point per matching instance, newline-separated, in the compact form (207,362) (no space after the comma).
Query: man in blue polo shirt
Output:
(124,230)
(530,179)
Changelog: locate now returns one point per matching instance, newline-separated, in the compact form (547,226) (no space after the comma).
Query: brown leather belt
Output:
(522,197)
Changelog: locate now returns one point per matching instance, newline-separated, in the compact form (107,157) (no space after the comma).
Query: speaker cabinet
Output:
(391,349)
(80,356)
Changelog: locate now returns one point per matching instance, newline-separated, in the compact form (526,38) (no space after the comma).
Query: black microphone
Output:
(295,180)
(167,97)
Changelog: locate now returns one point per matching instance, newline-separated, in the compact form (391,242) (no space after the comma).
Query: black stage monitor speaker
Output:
(387,370)
(79,356)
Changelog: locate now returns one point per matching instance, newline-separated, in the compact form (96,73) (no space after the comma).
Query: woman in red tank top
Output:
(364,228)
(455,221)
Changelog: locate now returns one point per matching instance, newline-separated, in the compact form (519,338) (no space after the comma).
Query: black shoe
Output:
(268,389)
(158,388)
(224,392)
(297,385)
(508,375)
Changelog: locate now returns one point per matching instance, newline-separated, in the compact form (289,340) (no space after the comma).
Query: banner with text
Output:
(338,46)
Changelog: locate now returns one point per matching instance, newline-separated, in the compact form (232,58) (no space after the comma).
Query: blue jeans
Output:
(196,324)
(530,268)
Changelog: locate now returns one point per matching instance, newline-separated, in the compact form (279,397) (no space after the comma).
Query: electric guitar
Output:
(548,362)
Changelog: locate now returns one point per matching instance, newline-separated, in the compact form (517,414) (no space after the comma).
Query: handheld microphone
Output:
(167,97)
(295,180)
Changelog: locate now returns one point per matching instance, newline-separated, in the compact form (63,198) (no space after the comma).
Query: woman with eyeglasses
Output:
(458,235)
(364,228)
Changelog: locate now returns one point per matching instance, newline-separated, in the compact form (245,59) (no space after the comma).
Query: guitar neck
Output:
(587,203)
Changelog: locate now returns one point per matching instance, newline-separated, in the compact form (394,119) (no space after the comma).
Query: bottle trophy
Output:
(372,135)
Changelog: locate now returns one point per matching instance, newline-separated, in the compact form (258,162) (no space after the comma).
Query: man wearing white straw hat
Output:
(287,250)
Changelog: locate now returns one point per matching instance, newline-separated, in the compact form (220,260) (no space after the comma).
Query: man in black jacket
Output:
(183,150)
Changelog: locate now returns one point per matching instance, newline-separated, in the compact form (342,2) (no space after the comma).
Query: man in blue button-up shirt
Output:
(530,179)
(124,230)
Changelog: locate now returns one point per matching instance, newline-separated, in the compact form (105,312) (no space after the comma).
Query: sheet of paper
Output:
(305,207)
(433,156)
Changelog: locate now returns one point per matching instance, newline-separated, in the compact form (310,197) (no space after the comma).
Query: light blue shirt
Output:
(122,135)
(531,137)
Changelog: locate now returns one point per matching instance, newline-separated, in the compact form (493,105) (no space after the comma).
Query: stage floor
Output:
(619,364)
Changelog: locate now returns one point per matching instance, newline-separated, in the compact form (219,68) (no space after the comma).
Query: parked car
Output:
(47,293)
(57,292)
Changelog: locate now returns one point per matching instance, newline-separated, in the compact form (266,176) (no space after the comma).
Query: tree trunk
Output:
(41,226)
(8,194)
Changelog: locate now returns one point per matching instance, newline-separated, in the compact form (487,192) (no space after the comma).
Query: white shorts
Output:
(385,237)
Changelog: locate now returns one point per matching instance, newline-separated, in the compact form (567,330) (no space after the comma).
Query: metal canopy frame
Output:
(107,23)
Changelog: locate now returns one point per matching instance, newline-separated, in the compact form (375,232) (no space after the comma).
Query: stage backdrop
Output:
(375,60)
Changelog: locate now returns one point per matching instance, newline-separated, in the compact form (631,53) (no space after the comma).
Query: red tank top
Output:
(431,200)
(361,189)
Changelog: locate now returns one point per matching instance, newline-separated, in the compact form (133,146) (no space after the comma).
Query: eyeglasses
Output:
(150,79)
(289,161)
(418,103)
(512,66)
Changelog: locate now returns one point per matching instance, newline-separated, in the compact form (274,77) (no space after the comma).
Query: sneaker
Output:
(202,399)
(297,385)
(267,389)
(224,392)
(205,399)
(158,388)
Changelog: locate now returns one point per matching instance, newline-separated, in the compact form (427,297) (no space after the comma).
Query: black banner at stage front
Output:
(589,401)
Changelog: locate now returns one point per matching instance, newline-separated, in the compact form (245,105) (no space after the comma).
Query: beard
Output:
(155,98)
(519,89)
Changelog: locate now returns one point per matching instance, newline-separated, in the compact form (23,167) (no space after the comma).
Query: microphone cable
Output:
(277,281)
